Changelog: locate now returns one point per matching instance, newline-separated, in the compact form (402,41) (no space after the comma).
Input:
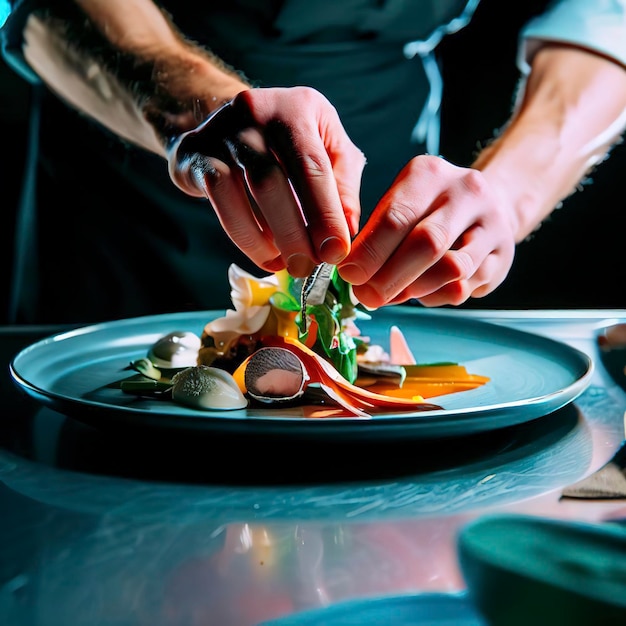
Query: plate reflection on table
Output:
(427,609)
(180,534)
(183,475)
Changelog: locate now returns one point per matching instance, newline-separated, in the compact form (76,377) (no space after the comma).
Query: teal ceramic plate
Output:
(427,609)
(530,376)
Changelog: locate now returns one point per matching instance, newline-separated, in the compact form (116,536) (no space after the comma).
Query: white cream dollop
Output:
(176,349)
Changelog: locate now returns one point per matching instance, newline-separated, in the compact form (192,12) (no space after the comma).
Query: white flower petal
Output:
(241,322)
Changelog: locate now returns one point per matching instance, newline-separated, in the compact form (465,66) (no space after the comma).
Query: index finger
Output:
(323,166)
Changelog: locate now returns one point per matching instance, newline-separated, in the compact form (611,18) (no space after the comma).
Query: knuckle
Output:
(432,237)
(312,164)
(251,242)
(399,217)
(370,255)
(250,103)
(454,293)
(460,264)
(292,238)
(392,288)
(461,294)
(475,183)
(307,94)
(245,241)
(265,187)
(428,163)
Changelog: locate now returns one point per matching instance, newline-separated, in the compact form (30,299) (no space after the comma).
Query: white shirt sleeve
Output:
(599,25)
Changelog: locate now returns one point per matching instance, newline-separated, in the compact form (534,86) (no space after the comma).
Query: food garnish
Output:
(316,370)
(204,387)
(176,349)
(291,340)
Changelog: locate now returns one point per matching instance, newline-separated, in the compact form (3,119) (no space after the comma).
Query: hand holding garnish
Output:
(294,340)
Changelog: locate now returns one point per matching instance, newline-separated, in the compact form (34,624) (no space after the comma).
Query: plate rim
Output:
(190,418)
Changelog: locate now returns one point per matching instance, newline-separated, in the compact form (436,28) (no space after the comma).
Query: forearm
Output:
(570,114)
(123,63)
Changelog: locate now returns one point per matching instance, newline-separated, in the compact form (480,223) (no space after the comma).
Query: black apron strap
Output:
(24,278)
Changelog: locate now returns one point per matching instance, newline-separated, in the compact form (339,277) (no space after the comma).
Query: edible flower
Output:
(272,306)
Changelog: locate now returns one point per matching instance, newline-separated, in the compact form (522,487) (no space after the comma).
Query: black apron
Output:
(116,239)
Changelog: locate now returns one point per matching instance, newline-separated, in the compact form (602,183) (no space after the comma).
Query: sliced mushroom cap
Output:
(275,375)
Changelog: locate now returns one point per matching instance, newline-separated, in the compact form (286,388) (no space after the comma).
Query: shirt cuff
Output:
(599,25)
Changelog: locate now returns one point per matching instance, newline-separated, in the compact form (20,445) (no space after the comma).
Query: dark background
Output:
(577,258)
(14,99)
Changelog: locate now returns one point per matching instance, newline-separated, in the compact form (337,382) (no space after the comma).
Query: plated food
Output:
(289,341)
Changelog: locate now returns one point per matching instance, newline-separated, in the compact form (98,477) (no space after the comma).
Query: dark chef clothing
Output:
(115,238)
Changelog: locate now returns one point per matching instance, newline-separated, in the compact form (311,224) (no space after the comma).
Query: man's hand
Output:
(281,173)
(440,234)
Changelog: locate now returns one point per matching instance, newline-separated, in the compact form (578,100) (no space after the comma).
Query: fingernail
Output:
(353,274)
(333,250)
(368,297)
(275,265)
(299,265)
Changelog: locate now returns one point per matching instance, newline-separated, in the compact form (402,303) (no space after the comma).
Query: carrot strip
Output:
(328,375)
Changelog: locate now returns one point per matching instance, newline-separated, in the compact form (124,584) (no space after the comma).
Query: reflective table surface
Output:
(118,527)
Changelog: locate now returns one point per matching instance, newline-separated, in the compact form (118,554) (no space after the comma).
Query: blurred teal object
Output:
(525,570)
(5,9)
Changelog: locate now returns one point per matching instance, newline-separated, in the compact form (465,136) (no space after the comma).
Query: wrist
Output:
(523,170)
(188,86)
(563,126)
